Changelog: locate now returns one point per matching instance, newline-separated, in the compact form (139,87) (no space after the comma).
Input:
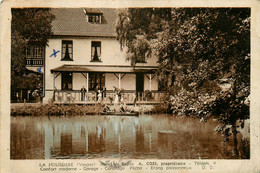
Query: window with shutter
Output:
(67,51)
(95,51)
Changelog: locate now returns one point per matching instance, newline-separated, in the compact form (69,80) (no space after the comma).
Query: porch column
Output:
(150,80)
(87,81)
(53,80)
(119,80)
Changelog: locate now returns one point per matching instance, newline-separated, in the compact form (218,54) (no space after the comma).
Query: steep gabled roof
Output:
(73,22)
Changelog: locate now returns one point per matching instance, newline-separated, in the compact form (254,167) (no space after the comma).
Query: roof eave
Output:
(65,68)
(85,36)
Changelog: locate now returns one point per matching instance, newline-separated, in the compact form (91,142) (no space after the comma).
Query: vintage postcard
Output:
(130,86)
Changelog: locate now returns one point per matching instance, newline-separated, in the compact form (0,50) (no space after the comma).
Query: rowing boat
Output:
(121,113)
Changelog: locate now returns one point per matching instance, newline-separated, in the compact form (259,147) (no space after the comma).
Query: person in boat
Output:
(106,109)
(123,108)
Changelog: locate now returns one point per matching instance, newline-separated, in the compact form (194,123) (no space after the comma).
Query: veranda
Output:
(77,97)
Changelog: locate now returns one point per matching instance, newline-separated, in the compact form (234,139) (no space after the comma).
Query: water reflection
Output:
(159,136)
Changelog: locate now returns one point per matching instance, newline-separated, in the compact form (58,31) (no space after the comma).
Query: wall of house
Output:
(128,82)
(110,81)
(48,96)
(78,81)
(110,55)
(36,68)
(58,82)
(152,61)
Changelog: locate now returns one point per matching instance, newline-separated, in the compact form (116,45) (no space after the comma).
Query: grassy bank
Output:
(52,109)
(70,110)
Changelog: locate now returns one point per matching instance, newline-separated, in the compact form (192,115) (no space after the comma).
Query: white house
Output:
(83,51)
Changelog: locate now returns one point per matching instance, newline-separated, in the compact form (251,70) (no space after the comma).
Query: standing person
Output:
(96,91)
(135,98)
(104,94)
(83,93)
(122,98)
(99,96)
(116,100)
(119,95)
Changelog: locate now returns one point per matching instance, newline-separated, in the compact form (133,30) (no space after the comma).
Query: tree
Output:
(185,37)
(29,25)
(196,48)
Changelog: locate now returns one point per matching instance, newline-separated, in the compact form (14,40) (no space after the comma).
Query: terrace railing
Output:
(76,96)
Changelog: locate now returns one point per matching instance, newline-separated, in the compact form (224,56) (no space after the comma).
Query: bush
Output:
(160,109)
(52,109)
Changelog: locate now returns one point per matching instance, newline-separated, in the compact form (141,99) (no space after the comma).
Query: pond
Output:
(143,137)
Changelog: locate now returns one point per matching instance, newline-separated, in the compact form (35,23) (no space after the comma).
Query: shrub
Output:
(52,109)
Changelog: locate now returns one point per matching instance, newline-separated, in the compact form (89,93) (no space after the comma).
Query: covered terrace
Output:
(138,94)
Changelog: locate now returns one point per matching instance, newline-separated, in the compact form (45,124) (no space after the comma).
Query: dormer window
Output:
(140,59)
(94,18)
(93,15)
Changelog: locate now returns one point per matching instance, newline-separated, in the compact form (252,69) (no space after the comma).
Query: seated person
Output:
(122,108)
(106,109)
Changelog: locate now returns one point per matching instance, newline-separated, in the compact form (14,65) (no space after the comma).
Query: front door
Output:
(139,82)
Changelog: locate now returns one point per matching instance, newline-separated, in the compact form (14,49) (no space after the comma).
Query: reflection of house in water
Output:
(48,140)
(117,137)
(62,140)
(96,142)
(106,136)
(66,144)
(139,140)
(79,141)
